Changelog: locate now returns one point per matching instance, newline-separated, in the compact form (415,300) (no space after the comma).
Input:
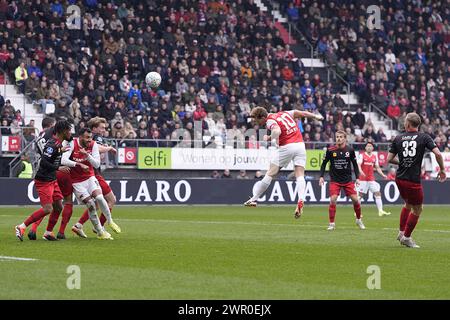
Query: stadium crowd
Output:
(217,59)
(401,66)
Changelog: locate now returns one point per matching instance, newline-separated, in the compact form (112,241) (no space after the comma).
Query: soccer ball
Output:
(153,79)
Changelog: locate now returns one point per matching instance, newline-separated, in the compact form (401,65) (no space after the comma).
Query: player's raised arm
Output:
(307,114)
(94,158)
(105,148)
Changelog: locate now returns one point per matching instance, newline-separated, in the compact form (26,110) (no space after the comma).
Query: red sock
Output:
(357,208)
(403,218)
(102,219)
(66,214)
(411,224)
(52,220)
(84,217)
(332,212)
(35,216)
(35,225)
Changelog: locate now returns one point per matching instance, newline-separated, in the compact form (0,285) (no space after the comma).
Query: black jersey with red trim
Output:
(43,138)
(410,148)
(341,161)
(50,160)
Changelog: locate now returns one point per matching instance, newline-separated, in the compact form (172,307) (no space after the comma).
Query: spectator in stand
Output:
(359,119)
(237,63)
(215,174)
(21,75)
(394,112)
(5,128)
(226,174)
(242,175)
(310,105)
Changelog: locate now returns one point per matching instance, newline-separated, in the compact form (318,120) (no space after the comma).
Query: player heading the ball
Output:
(286,134)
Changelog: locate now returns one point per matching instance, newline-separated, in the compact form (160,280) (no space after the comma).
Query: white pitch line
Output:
(258,224)
(426,230)
(17,258)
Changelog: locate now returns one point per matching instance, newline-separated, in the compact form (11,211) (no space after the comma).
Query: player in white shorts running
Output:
(285,131)
(367,162)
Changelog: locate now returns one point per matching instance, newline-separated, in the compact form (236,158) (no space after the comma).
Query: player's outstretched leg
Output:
(261,186)
(258,190)
(35,216)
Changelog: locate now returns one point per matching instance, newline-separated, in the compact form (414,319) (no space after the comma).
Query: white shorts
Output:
(85,188)
(371,186)
(295,152)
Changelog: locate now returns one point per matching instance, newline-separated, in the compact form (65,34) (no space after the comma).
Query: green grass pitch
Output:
(229,252)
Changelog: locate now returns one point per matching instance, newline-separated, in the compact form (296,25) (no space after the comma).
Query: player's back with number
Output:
(410,148)
(290,133)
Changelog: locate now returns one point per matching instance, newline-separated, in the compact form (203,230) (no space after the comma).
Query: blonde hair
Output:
(95,122)
(413,119)
(341,132)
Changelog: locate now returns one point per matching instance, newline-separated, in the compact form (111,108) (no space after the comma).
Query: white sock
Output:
(93,216)
(379,203)
(261,187)
(301,185)
(22,225)
(79,225)
(104,207)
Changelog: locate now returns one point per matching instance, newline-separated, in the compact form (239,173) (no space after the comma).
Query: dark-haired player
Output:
(98,126)
(341,158)
(63,179)
(410,148)
(45,181)
(83,150)
(368,163)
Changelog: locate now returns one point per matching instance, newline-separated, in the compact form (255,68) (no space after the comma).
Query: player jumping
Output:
(367,162)
(341,157)
(45,181)
(284,129)
(86,187)
(410,147)
(98,126)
